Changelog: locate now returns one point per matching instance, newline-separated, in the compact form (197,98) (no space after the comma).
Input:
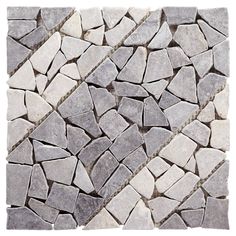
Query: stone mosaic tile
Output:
(117,118)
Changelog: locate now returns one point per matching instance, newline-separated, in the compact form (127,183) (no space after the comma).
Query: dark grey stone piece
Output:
(168,100)
(65,221)
(22,13)
(193,218)
(173,222)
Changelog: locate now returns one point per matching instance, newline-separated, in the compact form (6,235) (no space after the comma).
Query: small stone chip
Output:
(95,36)
(121,56)
(174,222)
(193,218)
(41,83)
(70,70)
(168,100)
(65,221)
(158,166)
(207,114)
(138,14)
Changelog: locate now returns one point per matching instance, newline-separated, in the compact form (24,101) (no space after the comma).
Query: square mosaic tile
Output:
(117,118)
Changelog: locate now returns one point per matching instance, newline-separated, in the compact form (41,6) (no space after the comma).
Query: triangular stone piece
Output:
(95,36)
(138,13)
(41,83)
(121,56)
(174,222)
(113,15)
(168,100)
(71,71)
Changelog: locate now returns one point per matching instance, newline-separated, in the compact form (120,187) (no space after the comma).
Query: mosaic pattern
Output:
(119,118)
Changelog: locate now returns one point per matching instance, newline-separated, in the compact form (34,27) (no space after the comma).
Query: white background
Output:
(153,4)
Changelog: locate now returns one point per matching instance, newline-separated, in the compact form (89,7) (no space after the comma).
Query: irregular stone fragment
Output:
(158,66)
(47,213)
(73,47)
(190,39)
(18,178)
(52,130)
(72,26)
(38,184)
(121,56)
(113,15)
(131,109)
(112,124)
(216,214)
(82,179)
(197,131)
(91,152)
(62,197)
(173,222)
(95,36)
(135,67)
(65,221)
(179,114)
(116,181)
(217,184)
(127,142)
(89,22)
(138,14)
(153,115)
(91,58)
(158,211)
(43,57)
(168,100)
(140,218)
(52,17)
(191,165)
(22,13)
(71,71)
(220,134)
(157,166)
(102,99)
(162,38)
(123,203)
(29,220)
(155,138)
(193,218)
(86,206)
(16,105)
(179,150)
(171,176)
(207,114)
(76,138)
(41,83)
(207,159)
(146,30)
(61,170)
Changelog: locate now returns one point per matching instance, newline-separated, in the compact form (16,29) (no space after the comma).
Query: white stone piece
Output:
(91,18)
(95,36)
(158,166)
(121,56)
(41,83)
(138,14)
(70,70)
(207,114)
(191,165)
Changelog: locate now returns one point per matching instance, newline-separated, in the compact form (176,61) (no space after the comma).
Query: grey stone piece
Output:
(216,214)
(18,178)
(213,36)
(158,166)
(125,89)
(104,74)
(64,222)
(146,30)
(217,18)
(217,184)
(121,56)
(221,57)
(158,66)
(174,222)
(38,184)
(19,28)
(47,213)
(207,159)
(135,159)
(52,17)
(22,13)
(190,39)
(177,57)
(209,86)
(134,69)
(95,36)
(78,102)
(35,37)
(102,99)
(207,114)
(70,70)
(44,152)
(158,211)
(62,197)
(86,206)
(193,218)
(168,100)
(162,38)
(29,220)
(140,218)
(183,84)
(61,170)
(116,181)
(41,83)
(179,150)
(115,35)
(191,165)
(197,131)
(123,203)
(138,14)
(103,169)
(112,124)
(91,152)
(153,115)
(131,109)
(127,142)
(76,138)
(16,54)
(179,114)
(155,138)
(52,130)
